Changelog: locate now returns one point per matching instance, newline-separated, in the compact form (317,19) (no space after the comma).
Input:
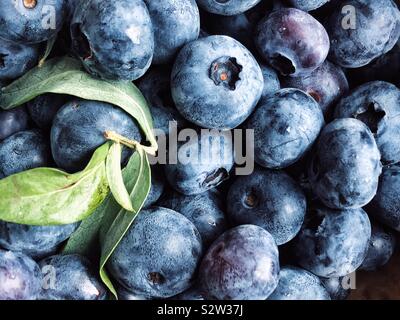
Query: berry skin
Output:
(175,23)
(335,287)
(75,279)
(31,21)
(242,264)
(307,5)
(381,248)
(375,31)
(326,84)
(113,39)
(385,206)
(78,130)
(333,243)
(269,199)
(204,210)
(157,186)
(227,7)
(13,121)
(16,59)
(23,151)
(377,104)
(345,167)
(158,256)
(34,241)
(19,277)
(292,41)
(285,125)
(298,284)
(216,82)
(211,160)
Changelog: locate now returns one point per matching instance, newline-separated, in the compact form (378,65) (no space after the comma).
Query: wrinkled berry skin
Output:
(16,59)
(242,264)
(333,243)
(34,241)
(345,167)
(385,207)
(78,130)
(285,125)
(216,82)
(376,31)
(76,279)
(326,84)
(269,199)
(23,151)
(204,210)
(157,186)
(158,256)
(227,7)
(13,121)
(335,287)
(381,248)
(284,39)
(307,5)
(208,163)
(44,108)
(377,104)
(20,277)
(113,39)
(23,24)
(298,284)
(175,23)
(156,88)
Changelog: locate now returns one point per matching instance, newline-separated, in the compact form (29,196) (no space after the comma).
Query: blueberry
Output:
(157,186)
(158,256)
(16,59)
(381,248)
(335,288)
(333,243)
(156,88)
(327,84)
(31,21)
(19,277)
(242,264)
(216,82)
(175,24)
(377,104)
(292,41)
(375,31)
(195,293)
(345,168)
(79,127)
(44,108)
(385,207)
(285,127)
(269,199)
(307,5)
(298,284)
(12,121)
(74,279)
(271,81)
(204,210)
(203,163)
(23,151)
(227,7)
(34,241)
(124,294)
(114,39)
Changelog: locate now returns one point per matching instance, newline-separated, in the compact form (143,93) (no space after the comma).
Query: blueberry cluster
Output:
(315,82)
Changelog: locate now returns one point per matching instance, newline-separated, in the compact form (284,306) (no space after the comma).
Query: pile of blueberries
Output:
(318,82)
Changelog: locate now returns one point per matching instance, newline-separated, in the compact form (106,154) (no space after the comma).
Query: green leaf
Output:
(49,47)
(66,76)
(119,224)
(115,179)
(46,196)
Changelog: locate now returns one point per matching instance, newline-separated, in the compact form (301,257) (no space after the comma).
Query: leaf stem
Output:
(113,136)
